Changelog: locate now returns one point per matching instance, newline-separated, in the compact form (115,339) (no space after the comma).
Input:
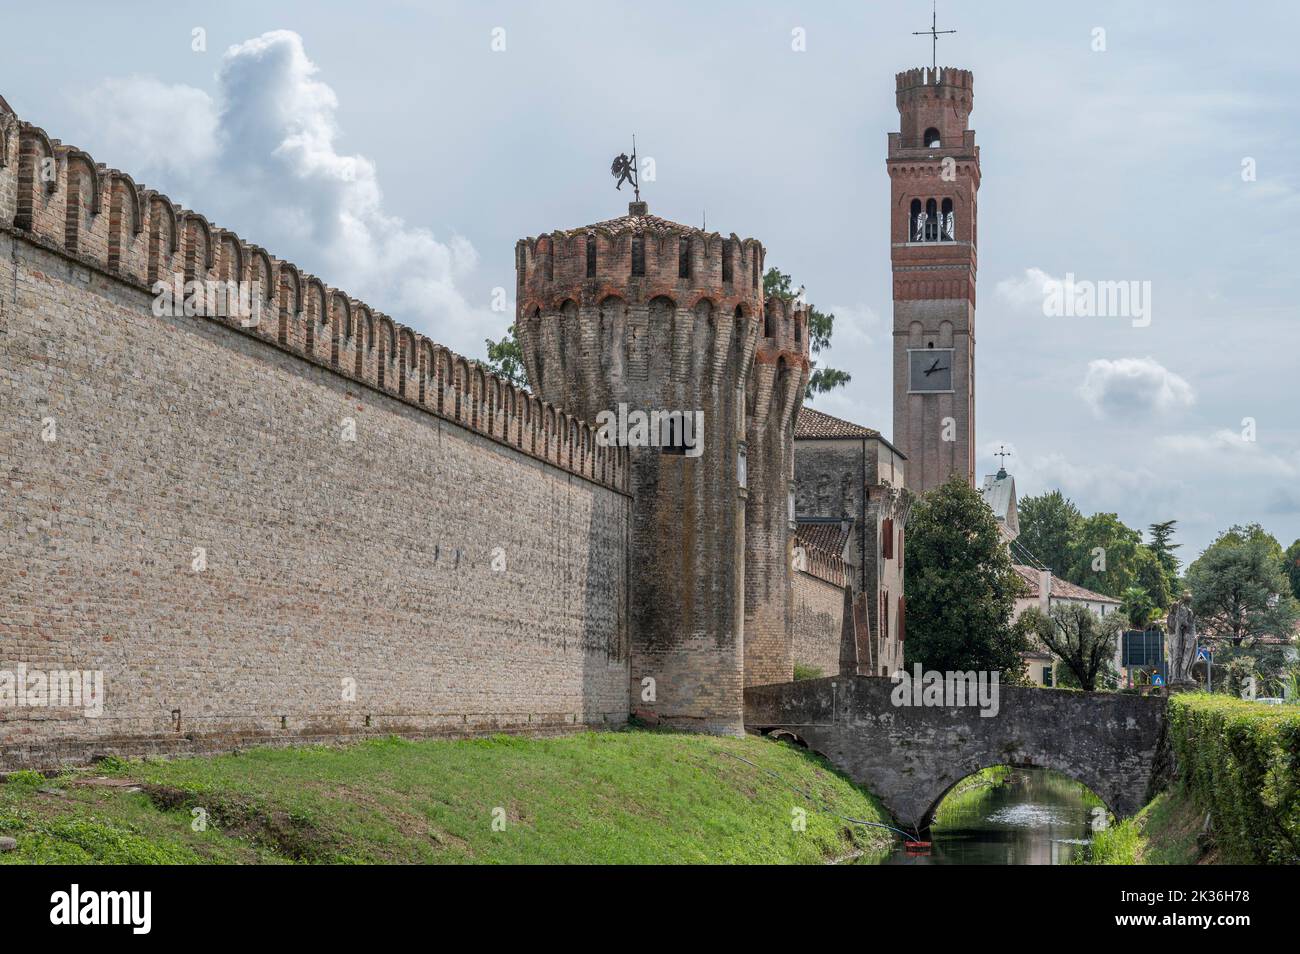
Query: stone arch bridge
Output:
(910,755)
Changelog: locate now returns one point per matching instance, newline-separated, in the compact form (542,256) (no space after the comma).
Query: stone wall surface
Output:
(910,755)
(181,507)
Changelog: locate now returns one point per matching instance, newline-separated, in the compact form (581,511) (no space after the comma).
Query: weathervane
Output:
(934,35)
(624,170)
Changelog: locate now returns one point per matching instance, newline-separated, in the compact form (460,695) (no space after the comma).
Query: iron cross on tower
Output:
(934,35)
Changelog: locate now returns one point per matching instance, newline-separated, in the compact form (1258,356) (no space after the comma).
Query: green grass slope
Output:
(1165,832)
(615,797)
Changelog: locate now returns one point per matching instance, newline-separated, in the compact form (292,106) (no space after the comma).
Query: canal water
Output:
(1018,817)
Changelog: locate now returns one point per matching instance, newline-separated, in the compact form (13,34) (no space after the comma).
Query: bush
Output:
(1241,761)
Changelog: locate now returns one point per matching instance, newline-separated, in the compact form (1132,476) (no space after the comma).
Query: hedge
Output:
(1241,762)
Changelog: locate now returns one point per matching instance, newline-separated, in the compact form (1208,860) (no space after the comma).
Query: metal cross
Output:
(934,35)
(1004,454)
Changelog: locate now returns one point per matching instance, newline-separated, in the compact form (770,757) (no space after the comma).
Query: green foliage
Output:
(802,671)
(821,325)
(1235,665)
(1238,587)
(1118,845)
(1105,555)
(25,777)
(1163,548)
(596,798)
(960,586)
(506,358)
(1083,641)
(1138,606)
(1154,581)
(1049,524)
(1241,762)
(1291,565)
(1053,530)
(1165,832)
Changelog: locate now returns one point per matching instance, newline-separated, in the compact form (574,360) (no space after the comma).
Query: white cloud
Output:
(1228,452)
(261,157)
(1129,386)
(1028,291)
(149,127)
(853,326)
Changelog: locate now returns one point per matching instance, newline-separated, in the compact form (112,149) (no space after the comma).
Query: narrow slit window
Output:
(638,255)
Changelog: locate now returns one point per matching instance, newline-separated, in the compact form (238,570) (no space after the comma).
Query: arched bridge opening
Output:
(910,755)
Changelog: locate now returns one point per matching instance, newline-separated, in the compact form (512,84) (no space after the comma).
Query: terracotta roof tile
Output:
(1062,588)
(825,536)
(813,424)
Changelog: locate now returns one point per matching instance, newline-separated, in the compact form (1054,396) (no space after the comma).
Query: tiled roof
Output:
(812,424)
(825,536)
(636,220)
(823,545)
(1061,588)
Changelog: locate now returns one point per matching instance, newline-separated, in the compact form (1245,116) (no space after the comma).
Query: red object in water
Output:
(916,845)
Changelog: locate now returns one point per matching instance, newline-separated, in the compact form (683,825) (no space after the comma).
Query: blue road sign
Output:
(1203,653)
(1157,680)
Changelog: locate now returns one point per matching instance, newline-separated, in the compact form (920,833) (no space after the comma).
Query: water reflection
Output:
(1021,817)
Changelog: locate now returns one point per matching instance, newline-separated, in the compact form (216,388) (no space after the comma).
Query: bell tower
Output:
(934,175)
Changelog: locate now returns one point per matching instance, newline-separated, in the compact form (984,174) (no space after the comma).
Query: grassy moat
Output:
(605,798)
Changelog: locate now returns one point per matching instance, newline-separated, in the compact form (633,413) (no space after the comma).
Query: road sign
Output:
(1157,680)
(1203,653)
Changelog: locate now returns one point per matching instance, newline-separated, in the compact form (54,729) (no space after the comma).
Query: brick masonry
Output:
(818,623)
(934,281)
(329,562)
(658,316)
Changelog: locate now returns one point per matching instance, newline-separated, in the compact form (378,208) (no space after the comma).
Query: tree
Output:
(506,358)
(1161,534)
(1082,640)
(1239,590)
(1292,568)
(960,586)
(1104,557)
(1152,578)
(1048,525)
(777,283)
(1137,606)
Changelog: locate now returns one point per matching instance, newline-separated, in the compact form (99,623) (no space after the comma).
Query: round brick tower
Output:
(775,393)
(640,315)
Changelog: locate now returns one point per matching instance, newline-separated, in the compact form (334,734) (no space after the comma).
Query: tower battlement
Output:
(639,256)
(57,196)
(938,100)
(925,76)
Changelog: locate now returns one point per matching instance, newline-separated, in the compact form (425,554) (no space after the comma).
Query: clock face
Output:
(929,369)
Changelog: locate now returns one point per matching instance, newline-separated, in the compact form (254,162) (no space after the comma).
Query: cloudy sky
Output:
(390,149)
